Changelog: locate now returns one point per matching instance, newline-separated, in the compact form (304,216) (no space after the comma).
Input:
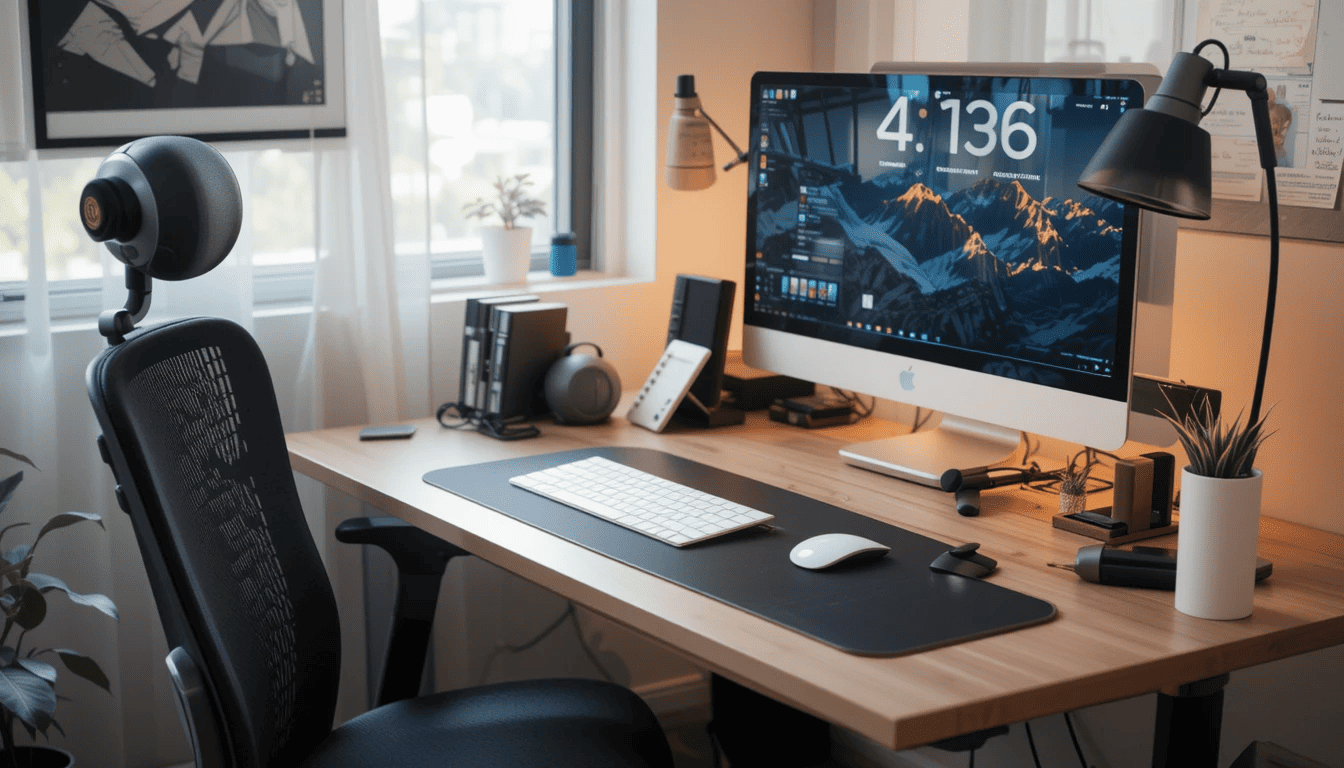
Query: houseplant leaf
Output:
(46,583)
(7,487)
(85,667)
(32,605)
(64,519)
(5,530)
(30,698)
(18,456)
(40,668)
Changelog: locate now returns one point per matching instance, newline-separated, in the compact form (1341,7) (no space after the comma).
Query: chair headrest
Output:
(167,206)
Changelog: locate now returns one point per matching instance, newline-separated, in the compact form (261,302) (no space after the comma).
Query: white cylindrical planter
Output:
(506,254)
(1215,559)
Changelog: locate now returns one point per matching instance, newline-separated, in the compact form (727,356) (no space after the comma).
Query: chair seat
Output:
(557,722)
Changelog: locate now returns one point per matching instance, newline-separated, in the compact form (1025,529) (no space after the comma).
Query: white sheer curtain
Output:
(363,357)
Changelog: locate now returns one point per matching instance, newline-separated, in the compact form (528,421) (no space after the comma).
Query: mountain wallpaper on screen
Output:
(986,268)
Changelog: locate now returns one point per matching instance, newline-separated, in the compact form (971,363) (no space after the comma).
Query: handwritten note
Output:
(1263,34)
(1316,184)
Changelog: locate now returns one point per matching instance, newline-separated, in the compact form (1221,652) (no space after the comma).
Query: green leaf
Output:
(46,583)
(7,488)
(85,667)
(19,456)
(30,698)
(40,668)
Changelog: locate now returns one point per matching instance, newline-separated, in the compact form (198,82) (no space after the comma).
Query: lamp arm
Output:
(1256,89)
(741,156)
(1272,289)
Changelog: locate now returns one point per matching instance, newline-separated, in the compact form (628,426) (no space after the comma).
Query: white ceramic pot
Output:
(506,253)
(1215,559)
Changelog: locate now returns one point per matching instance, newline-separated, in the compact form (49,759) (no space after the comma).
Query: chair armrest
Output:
(416,552)
(421,560)
(196,709)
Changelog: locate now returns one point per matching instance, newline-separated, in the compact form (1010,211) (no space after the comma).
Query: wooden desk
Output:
(1105,644)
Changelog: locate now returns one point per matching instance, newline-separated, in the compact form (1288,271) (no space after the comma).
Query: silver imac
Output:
(917,233)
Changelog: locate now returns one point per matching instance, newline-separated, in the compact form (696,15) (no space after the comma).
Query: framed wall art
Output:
(109,71)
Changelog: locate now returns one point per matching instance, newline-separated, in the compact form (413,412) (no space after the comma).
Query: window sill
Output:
(461,288)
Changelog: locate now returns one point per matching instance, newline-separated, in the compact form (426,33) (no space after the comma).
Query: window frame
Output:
(573,202)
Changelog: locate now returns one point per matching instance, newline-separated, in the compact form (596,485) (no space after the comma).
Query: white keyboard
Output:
(644,503)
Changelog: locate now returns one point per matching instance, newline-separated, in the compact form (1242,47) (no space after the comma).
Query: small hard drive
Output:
(813,411)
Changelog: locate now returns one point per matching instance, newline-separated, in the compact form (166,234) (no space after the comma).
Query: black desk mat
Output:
(886,607)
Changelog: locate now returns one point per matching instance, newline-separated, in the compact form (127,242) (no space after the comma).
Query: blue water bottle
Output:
(564,255)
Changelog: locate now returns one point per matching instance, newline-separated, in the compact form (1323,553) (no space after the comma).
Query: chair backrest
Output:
(193,433)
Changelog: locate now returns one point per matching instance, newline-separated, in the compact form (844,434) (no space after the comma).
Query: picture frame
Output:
(108,72)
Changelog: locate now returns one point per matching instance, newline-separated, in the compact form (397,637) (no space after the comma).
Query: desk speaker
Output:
(582,389)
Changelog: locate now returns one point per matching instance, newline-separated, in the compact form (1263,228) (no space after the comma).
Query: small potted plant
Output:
(1220,514)
(1073,483)
(506,250)
(27,681)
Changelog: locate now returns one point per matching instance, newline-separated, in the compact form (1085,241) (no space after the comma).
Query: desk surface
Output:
(1106,643)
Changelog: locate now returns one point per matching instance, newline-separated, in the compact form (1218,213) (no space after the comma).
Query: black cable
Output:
(583,643)
(862,410)
(716,751)
(1082,761)
(569,613)
(1032,743)
(921,419)
(489,660)
(971,763)
(466,417)
(1227,64)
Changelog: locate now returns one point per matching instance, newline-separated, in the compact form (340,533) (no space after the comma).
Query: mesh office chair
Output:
(193,434)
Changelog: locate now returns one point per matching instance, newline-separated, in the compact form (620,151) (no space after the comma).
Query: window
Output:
(472,95)
(471,89)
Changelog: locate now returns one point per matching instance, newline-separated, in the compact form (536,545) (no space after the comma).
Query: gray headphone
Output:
(582,389)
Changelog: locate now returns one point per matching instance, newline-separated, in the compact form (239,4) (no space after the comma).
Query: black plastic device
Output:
(1147,567)
(387,432)
(702,313)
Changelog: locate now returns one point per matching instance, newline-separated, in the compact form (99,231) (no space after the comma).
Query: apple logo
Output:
(908,379)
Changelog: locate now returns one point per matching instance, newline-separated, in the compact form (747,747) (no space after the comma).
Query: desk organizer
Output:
(886,607)
(1108,536)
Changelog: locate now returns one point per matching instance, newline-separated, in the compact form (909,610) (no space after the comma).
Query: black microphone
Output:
(979,478)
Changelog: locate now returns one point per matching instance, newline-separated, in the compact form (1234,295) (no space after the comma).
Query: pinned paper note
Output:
(1315,184)
(1263,34)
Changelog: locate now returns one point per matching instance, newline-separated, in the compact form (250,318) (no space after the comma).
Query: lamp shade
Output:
(690,149)
(1156,161)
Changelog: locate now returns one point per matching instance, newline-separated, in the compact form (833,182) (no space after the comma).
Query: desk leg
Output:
(1189,725)
(755,731)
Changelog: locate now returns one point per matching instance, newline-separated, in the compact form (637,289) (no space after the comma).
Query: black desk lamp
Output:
(690,147)
(1158,158)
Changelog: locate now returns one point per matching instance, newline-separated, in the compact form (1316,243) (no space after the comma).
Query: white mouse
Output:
(829,549)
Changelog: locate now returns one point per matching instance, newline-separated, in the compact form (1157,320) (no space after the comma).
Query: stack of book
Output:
(508,343)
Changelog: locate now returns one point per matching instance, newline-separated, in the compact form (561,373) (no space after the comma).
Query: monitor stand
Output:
(923,457)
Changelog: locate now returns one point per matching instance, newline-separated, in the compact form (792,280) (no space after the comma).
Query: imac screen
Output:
(938,218)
